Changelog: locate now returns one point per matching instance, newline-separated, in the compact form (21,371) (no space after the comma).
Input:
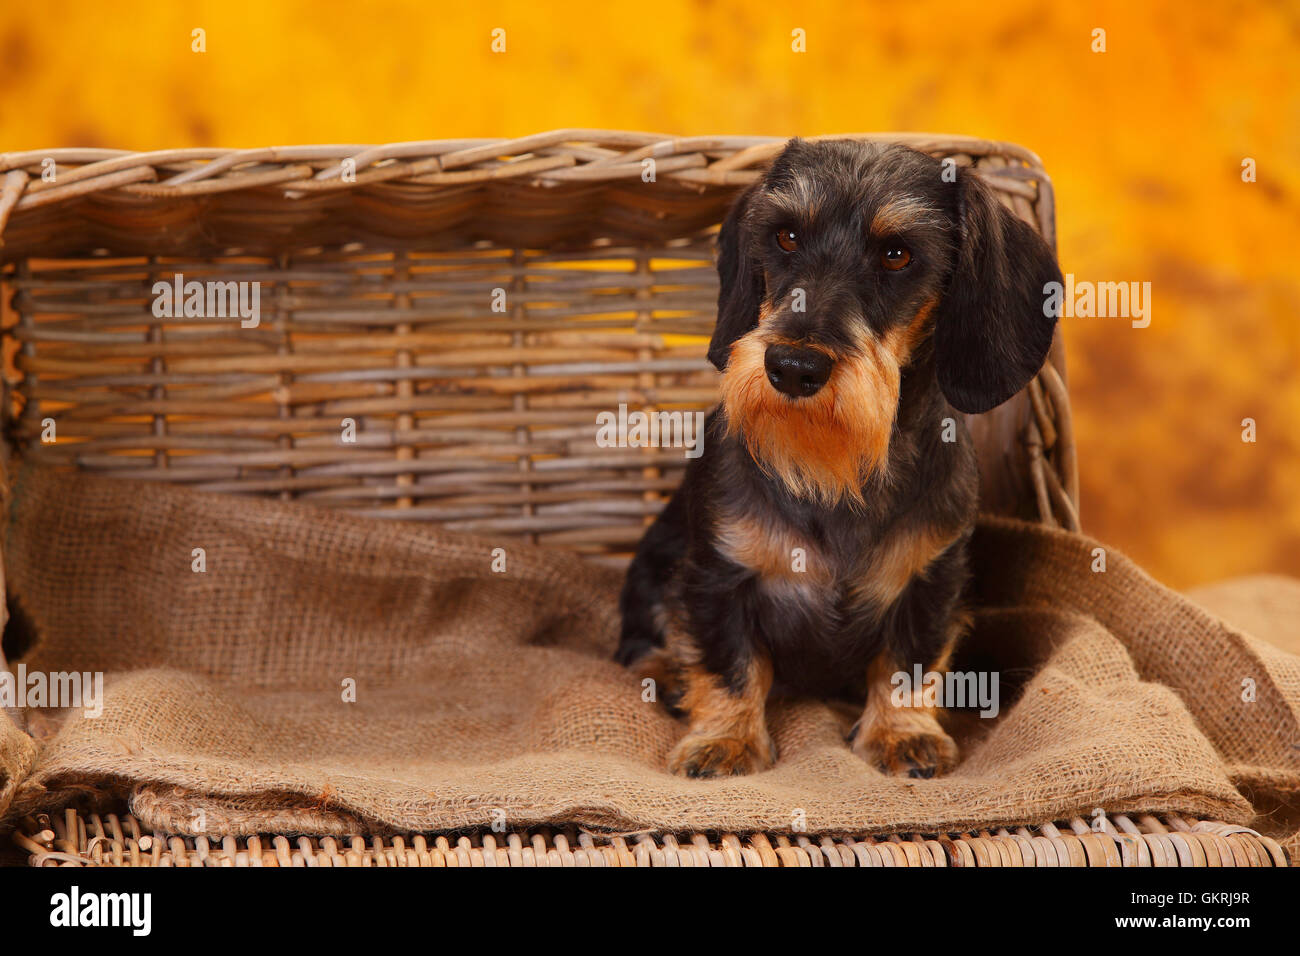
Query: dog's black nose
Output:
(796,371)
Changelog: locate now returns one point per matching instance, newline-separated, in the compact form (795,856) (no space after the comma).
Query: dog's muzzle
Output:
(797,371)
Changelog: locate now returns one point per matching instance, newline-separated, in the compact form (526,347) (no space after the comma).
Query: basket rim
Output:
(573,155)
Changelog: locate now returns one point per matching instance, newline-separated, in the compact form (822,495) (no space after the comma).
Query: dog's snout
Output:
(797,371)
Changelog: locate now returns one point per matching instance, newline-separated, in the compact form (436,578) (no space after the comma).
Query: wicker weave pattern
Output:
(451,402)
(112,840)
(470,409)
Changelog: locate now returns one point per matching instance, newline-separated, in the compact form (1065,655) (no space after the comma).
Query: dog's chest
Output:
(837,574)
(824,596)
(784,561)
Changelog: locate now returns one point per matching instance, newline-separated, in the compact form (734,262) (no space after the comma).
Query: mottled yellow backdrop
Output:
(1145,141)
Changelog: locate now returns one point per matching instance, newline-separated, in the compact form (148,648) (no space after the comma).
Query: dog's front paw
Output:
(698,755)
(912,751)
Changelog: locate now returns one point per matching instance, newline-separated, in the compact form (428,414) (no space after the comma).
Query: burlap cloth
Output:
(484,696)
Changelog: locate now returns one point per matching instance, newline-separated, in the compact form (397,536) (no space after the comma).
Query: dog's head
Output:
(834,269)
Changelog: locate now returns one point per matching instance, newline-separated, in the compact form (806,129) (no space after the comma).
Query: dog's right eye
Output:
(785,238)
(895,257)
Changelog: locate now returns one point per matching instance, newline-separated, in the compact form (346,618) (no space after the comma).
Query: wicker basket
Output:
(471,306)
(467,307)
(110,841)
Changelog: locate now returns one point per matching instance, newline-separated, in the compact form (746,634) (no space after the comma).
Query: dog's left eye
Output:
(786,239)
(895,257)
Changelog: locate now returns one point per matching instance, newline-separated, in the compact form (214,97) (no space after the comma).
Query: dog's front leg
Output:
(728,723)
(901,736)
(911,598)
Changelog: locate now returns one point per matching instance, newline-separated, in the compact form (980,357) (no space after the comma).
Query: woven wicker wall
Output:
(470,306)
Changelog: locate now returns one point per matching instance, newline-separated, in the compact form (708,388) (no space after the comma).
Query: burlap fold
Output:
(486,696)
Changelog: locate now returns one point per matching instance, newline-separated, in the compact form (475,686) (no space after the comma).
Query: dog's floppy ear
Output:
(991,333)
(740,287)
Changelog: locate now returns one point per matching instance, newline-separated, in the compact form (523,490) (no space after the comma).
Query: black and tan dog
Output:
(819,544)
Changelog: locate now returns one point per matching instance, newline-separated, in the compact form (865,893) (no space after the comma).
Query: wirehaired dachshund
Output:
(819,544)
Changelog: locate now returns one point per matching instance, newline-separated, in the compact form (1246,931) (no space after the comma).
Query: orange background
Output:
(1144,141)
